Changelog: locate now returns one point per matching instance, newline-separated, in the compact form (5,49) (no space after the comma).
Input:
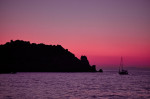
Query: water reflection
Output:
(74,86)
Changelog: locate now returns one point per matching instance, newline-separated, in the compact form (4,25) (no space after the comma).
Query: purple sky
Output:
(103,30)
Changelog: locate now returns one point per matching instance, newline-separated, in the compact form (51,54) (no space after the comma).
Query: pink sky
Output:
(103,30)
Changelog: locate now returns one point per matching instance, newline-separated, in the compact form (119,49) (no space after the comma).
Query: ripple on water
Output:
(74,86)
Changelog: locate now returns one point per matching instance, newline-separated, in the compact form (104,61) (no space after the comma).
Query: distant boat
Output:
(121,70)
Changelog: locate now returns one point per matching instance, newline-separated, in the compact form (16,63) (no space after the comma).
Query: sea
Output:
(106,85)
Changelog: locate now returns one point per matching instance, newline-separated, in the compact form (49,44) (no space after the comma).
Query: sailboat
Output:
(121,70)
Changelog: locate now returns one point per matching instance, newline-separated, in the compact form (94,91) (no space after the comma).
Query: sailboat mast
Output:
(121,63)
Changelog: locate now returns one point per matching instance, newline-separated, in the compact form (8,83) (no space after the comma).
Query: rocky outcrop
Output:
(23,56)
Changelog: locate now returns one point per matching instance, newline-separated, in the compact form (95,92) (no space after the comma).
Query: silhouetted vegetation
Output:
(23,56)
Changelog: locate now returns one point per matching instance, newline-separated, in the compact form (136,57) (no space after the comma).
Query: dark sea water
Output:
(106,85)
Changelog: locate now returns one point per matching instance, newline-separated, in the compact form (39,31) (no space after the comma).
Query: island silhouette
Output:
(23,56)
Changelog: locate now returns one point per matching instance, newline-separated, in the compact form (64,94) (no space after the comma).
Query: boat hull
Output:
(123,72)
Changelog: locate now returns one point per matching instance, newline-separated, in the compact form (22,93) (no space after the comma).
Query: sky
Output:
(103,30)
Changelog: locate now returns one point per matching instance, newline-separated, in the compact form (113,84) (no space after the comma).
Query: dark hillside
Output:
(22,56)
